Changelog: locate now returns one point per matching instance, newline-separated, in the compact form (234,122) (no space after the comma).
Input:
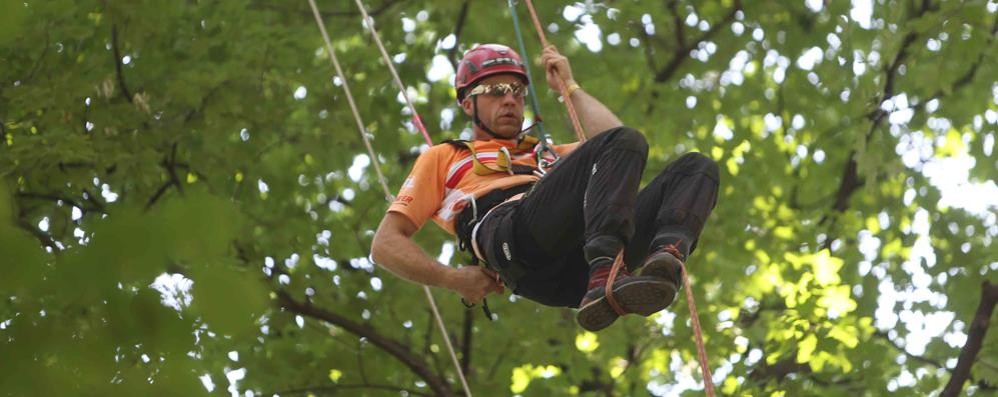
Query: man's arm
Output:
(394,250)
(594,116)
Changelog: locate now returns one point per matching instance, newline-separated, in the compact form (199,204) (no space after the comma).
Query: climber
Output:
(549,234)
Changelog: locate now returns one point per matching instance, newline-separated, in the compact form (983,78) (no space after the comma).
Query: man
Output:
(556,243)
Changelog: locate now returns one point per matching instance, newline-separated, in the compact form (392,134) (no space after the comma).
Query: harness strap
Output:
(504,161)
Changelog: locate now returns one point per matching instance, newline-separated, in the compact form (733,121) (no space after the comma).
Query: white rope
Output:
(369,22)
(353,105)
(374,159)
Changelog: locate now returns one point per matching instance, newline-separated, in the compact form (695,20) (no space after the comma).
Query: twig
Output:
(51,197)
(918,358)
(117,63)
(169,163)
(42,237)
(678,21)
(462,16)
(975,338)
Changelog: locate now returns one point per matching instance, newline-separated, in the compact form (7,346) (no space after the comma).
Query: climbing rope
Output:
(618,262)
(580,134)
(534,103)
(374,159)
(416,121)
(708,382)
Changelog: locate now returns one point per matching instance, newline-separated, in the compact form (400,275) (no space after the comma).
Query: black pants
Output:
(588,205)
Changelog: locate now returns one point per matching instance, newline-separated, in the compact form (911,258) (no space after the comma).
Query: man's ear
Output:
(466,105)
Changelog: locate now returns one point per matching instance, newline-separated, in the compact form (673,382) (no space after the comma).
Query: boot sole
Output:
(641,295)
(662,265)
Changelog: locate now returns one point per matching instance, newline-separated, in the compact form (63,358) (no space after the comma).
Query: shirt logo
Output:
(409,183)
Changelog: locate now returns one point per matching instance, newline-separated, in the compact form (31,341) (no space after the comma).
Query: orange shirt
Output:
(442,180)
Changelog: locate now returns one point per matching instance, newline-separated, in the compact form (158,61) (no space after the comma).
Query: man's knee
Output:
(698,163)
(630,139)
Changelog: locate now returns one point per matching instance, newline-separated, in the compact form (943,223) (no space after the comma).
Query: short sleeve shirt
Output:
(442,180)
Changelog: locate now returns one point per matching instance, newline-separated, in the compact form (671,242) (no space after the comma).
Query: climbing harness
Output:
(374,159)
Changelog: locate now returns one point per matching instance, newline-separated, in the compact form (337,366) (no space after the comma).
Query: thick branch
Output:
(397,350)
(683,52)
(975,338)
(117,63)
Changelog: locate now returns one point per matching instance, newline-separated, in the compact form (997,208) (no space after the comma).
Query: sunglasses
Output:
(500,90)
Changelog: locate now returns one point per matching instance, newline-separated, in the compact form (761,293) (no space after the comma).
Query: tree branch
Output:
(169,163)
(975,338)
(42,237)
(850,175)
(678,21)
(436,383)
(52,197)
(117,63)
(462,16)
(920,359)
(683,51)
(333,389)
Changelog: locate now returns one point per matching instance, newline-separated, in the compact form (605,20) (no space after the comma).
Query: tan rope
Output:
(374,158)
(708,382)
(580,133)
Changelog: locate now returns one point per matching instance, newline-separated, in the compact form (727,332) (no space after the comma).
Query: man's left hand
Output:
(558,70)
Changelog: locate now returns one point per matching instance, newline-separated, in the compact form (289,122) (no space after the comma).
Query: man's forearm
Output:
(594,116)
(403,257)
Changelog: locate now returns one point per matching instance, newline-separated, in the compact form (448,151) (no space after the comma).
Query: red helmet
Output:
(487,60)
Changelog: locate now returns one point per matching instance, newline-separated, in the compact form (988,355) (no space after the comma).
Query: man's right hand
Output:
(474,284)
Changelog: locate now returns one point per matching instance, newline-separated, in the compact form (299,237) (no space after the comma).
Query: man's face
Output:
(499,108)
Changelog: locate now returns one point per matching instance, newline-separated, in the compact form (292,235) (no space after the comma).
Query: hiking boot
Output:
(664,264)
(643,295)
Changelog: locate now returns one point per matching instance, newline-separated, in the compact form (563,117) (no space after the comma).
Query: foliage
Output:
(207,143)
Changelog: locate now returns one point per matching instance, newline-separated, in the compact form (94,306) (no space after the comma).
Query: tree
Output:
(207,143)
